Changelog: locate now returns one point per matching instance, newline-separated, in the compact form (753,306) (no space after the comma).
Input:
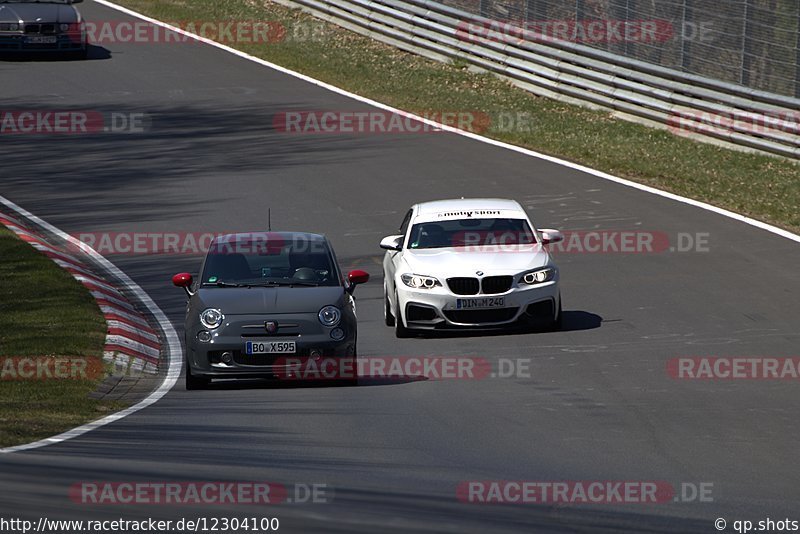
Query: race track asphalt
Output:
(599,404)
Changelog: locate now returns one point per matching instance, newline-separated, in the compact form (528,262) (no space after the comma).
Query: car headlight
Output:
(419,281)
(539,276)
(9,27)
(330,316)
(64,27)
(211,318)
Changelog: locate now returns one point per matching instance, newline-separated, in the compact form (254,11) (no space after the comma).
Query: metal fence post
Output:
(627,47)
(531,13)
(797,58)
(687,16)
(747,45)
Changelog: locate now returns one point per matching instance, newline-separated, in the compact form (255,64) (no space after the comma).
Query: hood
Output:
(447,262)
(256,300)
(28,13)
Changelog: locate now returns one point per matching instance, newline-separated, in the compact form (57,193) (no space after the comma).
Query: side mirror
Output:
(357,277)
(183,280)
(551,236)
(392,242)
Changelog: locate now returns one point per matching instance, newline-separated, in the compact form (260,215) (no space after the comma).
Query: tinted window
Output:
(265,258)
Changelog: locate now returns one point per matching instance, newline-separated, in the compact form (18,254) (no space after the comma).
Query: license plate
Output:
(269,347)
(41,39)
(488,302)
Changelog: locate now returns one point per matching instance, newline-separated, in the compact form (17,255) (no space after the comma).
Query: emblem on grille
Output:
(271,327)
(479,273)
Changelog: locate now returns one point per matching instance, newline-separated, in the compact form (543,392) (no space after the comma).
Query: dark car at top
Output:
(264,299)
(42,26)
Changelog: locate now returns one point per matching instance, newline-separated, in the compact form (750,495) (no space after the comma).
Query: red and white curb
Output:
(123,321)
(131,345)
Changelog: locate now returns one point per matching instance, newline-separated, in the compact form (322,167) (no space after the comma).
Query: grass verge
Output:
(761,187)
(44,314)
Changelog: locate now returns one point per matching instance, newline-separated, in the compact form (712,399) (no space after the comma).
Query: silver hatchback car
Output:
(264,299)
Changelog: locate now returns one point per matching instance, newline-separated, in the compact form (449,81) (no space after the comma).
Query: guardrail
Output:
(575,73)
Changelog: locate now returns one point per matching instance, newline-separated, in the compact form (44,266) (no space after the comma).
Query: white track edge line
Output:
(552,159)
(174,358)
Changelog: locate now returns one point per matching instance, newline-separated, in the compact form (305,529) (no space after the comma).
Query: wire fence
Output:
(755,43)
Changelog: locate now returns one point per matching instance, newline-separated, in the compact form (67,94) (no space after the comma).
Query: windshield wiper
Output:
(264,284)
(286,284)
(223,284)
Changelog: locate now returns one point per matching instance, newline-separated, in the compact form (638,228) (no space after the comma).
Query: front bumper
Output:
(20,43)
(436,308)
(312,340)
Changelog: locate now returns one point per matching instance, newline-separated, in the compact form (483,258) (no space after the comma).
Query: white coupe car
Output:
(469,263)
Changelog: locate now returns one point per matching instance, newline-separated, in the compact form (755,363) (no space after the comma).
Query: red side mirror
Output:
(182,280)
(358,277)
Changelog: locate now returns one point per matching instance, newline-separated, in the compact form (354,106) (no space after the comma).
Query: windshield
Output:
(470,232)
(268,260)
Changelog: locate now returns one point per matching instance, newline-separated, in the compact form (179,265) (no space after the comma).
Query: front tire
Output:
(388,318)
(400,331)
(194,382)
(558,322)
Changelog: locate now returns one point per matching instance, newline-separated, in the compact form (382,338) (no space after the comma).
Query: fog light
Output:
(227,357)
(204,336)
(337,334)
(315,354)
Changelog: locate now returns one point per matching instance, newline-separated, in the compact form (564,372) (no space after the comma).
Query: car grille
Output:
(420,313)
(463,286)
(266,359)
(491,285)
(258,359)
(40,29)
(498,315)
(496,284)
(544,308)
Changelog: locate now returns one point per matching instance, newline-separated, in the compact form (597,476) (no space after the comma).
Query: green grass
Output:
(759,186)
(44,312)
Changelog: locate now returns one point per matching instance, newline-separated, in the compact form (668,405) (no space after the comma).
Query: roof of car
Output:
(437,206)
(468,207)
